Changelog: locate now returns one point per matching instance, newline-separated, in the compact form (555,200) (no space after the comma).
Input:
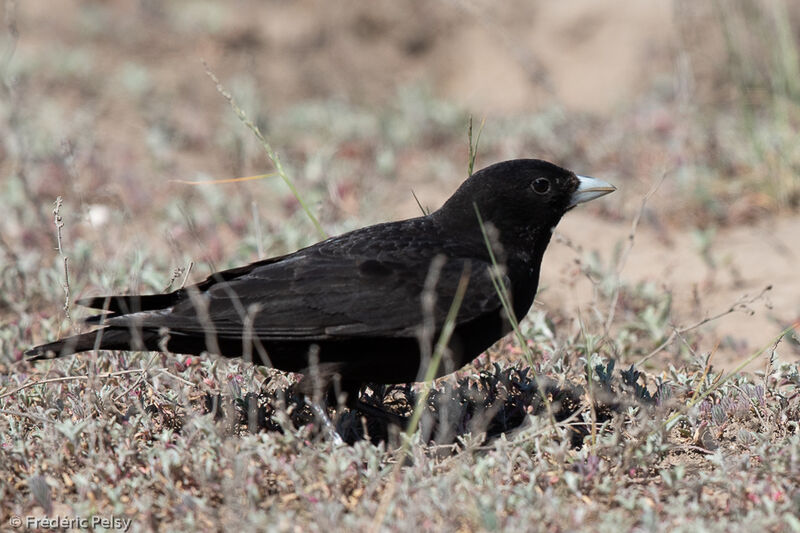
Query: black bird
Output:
(353,305)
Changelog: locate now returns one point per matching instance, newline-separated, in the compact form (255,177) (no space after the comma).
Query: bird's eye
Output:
(541,185)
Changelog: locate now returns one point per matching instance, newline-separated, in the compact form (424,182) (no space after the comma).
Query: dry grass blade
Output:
(227,180)
(505,300)
(430,373)
(473,147)
(439,350)
(503,293)
(273,156)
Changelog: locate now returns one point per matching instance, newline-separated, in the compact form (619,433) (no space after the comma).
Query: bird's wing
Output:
(315,295)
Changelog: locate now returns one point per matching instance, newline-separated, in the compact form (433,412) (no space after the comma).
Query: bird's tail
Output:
(109,338)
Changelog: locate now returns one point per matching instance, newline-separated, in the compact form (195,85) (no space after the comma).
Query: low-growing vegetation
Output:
(629,414)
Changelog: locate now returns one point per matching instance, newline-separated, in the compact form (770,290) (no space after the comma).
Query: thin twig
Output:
(25,415)
(177,271)
(68,378)
(59,222)
(320,414)
(186,275)
(163,372)
(143,373)
(626,252)
(739,304)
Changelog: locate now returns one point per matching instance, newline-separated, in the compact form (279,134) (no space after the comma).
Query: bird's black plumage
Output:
(353,304)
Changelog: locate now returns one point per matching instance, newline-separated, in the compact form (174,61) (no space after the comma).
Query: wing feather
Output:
(328,292)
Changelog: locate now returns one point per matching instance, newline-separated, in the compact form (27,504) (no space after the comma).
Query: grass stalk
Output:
(273,156)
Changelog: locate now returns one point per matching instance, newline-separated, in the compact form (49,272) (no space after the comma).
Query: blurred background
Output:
(107,105)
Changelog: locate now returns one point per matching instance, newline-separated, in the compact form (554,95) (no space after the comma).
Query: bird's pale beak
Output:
(589,189)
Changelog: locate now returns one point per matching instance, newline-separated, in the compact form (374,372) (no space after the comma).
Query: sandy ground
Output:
(490,58)
(742,262)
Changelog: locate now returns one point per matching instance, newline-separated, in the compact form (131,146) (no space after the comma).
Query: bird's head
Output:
(523,199)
